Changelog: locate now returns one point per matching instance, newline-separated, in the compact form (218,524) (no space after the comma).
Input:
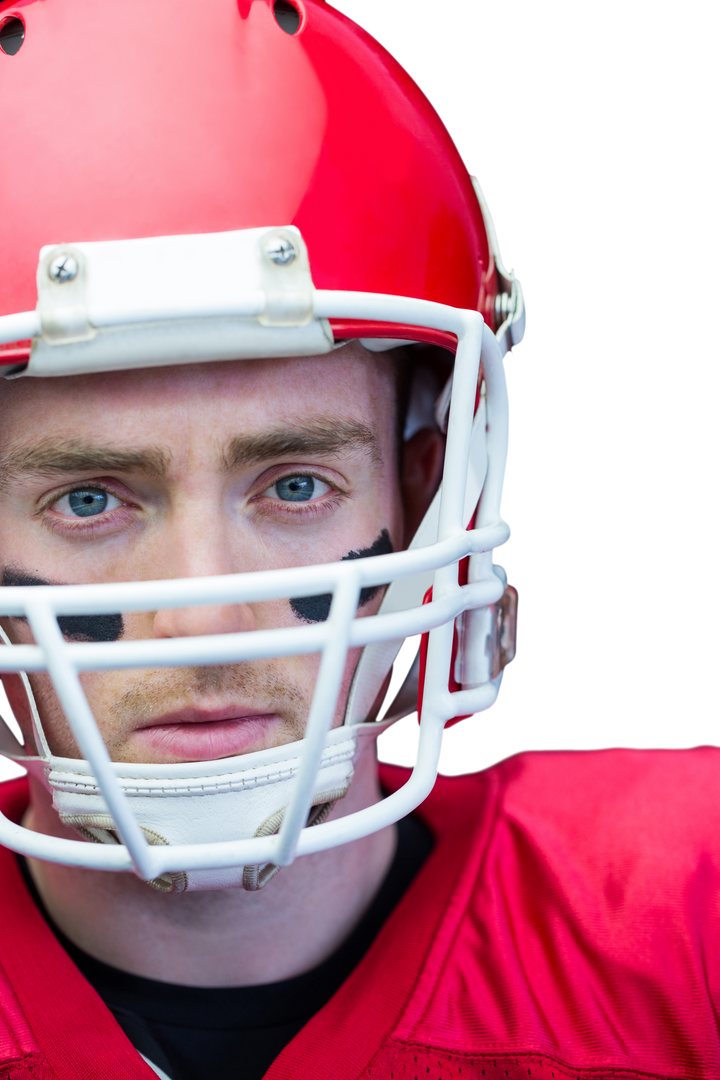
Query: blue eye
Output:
(86,502)
(296,488)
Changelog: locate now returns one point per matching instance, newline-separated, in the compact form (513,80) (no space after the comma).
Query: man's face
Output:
(189,472)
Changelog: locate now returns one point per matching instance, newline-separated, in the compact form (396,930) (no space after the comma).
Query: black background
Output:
(558,131)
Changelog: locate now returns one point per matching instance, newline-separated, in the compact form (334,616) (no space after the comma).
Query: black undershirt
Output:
(200,1033)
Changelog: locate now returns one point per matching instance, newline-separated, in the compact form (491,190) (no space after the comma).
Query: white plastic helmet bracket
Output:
(108,305)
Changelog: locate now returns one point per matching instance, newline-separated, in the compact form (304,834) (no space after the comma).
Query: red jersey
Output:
(565,925)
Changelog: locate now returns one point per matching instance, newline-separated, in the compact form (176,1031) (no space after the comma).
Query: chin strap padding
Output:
(100,829)
(257,876)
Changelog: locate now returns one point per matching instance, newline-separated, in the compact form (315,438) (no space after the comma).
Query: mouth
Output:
(205,735)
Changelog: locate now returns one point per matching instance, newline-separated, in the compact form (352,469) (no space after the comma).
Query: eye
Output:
(86,502)
(297,489)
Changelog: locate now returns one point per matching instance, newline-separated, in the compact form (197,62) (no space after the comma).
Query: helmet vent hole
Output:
(287,16)
(12,35)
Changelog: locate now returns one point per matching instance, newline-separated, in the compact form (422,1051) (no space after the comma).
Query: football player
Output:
(252,439)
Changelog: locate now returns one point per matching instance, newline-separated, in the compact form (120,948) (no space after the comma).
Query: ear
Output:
(423,457)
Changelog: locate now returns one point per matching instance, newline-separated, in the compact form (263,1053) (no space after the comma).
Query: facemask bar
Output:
(332,638)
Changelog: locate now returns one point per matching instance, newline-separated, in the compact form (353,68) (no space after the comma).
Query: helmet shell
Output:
(176,116)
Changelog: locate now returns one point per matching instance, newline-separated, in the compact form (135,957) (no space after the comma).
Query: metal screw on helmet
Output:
(63,268)
(281,251)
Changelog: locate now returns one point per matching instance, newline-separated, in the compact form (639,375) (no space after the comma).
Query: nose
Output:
(197,621)
(198,542)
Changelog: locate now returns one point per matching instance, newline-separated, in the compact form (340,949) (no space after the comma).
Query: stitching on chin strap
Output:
(100,829)
(257,876)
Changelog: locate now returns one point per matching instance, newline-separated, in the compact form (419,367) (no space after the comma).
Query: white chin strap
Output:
(231,799)
(246,796)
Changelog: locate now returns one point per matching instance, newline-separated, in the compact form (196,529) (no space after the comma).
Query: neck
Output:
(227,937)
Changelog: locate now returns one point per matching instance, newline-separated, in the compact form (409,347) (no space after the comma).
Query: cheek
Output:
(352,662)
(390,514)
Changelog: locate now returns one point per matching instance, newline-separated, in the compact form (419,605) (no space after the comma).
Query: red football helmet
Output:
(185,183)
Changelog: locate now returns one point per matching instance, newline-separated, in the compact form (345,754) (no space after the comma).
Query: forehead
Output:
(250,395)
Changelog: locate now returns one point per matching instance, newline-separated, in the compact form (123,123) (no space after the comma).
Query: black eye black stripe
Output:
(317,608)
(75,627)
(110,627)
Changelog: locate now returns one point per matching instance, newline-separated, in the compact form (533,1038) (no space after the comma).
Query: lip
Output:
(238,711)
(206,734)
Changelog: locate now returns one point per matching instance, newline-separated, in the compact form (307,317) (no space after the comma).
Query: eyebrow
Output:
(321,437)
(51,457)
